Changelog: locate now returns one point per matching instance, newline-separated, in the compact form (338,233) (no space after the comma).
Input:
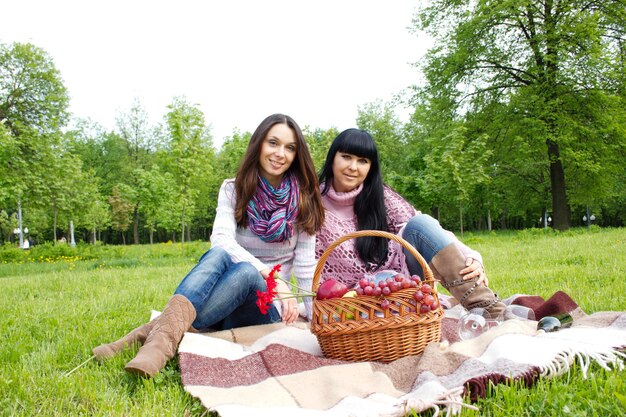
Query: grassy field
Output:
(58,303)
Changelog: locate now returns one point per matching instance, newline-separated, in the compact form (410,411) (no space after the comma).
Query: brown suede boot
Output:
(138,336)
(446,265)
(163,340)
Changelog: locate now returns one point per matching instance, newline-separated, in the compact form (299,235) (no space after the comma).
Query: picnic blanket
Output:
(278,370)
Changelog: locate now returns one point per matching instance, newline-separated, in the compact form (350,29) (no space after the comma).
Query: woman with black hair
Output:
(355,198)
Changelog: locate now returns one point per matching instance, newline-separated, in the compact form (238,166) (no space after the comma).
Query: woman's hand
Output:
(474,269)
(289,305)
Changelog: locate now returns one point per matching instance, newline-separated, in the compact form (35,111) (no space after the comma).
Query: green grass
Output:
(54,309)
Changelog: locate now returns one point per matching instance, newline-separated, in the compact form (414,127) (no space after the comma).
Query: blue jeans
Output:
(224,293)
(426,235)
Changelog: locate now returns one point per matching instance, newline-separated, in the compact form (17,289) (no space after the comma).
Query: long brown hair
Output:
(310,209)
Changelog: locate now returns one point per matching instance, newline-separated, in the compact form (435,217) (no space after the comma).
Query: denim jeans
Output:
(224,293)
(426,235)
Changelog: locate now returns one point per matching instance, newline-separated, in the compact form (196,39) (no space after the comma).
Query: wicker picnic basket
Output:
(359,329)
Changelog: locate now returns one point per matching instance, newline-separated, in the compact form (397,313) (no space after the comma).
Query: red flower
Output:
(264,298)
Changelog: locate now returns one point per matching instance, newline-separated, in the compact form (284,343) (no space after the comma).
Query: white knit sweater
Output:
(297,255)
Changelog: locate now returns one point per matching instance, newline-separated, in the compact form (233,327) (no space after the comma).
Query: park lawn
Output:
(57,306)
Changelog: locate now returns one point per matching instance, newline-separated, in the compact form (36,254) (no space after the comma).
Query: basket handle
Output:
(428,273)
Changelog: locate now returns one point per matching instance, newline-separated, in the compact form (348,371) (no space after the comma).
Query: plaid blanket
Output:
(277,370)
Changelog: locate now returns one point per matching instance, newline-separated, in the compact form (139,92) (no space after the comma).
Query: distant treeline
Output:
(519,121)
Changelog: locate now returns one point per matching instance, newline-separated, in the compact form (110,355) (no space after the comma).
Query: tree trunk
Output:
(151,236)
(72,240)
(136,225)
(182,224)
(489,219)
(560,208)
(461,217)
(19,220)
(435,212)
(54,220)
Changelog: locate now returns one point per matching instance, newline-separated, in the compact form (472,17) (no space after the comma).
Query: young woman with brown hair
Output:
(267,215)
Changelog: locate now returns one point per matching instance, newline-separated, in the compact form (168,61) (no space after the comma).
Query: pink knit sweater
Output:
(343,263)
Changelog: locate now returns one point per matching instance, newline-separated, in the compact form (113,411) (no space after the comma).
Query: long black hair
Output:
(369,205)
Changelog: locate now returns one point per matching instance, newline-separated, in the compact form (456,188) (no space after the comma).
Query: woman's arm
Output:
(225,229)
(304,264)
(399,211)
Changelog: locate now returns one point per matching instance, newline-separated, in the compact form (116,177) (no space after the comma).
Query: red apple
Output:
(331,288)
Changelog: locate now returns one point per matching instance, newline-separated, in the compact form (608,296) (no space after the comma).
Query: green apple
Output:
(349,315)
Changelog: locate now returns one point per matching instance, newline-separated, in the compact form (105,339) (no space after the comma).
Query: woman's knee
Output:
(426,235)
(422,223)
(215,254)
(212,264)
(248,275)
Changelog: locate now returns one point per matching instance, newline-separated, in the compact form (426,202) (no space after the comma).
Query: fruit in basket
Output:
(331,288)
(424,296)
(428,300)
(349,312)
(385,283)
(426,288)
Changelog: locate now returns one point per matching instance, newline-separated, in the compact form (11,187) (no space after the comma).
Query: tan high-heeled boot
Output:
(138,336)
(164,338)
(446,265)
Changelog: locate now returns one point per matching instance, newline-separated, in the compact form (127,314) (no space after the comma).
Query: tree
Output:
(32,93)
(96,216)
(456,165)
(380,121)
(191,153)
(62,189)
(33,108)
(138,136)
(318,141)
(121,210)
(157,191)
(555,54)
(8,149)
(7,225)
(230,155)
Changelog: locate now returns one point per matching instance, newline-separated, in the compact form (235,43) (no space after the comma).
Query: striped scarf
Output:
(273,211)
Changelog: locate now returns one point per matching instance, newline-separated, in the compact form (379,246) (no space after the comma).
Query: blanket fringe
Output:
(452,400)
(608,360)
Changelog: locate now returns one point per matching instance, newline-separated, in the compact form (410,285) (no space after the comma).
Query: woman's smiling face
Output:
(349,171)
(277,153)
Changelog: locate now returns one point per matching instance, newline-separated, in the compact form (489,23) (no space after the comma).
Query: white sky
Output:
(240,60)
